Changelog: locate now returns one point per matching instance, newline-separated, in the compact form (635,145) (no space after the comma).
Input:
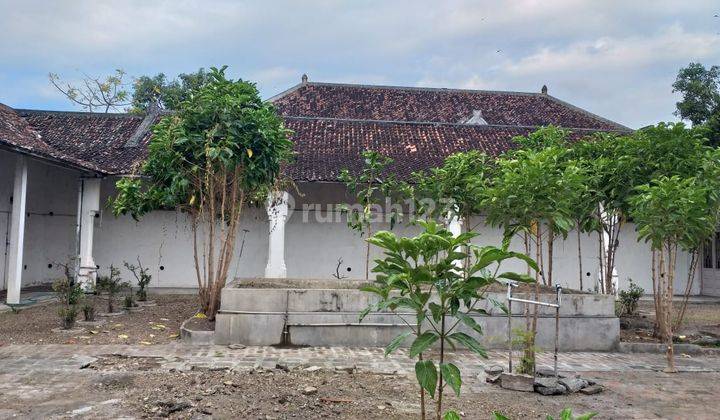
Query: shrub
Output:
(111,285)
(628,299)
(89,311)
(143,277)
(129,302)
(68,315)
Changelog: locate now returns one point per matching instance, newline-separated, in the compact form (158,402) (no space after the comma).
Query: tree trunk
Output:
(551,240)
(438,409)
(580,270)
(694,258)
(672,255)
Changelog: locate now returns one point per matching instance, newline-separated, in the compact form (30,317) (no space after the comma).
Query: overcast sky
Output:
(615,58)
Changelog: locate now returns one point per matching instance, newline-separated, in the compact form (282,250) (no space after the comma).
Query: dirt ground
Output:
(701,324)
(115,387)
(146,325)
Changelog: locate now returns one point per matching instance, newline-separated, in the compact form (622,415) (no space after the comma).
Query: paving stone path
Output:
(25,359)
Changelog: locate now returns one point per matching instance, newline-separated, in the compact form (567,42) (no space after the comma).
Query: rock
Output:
(312,369)
(228,383)
(236,346)
(348,369)
(494,370)
(517,382)
(574,384)
(309,390)
(492,379)
(549,386)
(282,366)
(592,389)
(547,373)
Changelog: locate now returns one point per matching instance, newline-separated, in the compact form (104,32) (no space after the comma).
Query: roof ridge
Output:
(24,111)
(398,87)
(441,123)
(588,113)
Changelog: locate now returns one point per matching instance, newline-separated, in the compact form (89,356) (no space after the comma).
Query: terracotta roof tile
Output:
(332,125)
(392,103)
(97,139)
(324,146)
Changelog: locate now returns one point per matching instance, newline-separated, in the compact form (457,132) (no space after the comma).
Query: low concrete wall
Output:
(330,317)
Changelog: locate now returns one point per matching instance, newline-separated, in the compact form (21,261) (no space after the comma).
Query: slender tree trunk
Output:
(656,295)
(580,270)
(551,240)
(527,251)
(438,409)
(601,259)
(670,274)
(367,252)
(422,390)
(694,258)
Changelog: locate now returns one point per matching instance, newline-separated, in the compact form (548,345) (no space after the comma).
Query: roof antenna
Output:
(304,78)
(544,90)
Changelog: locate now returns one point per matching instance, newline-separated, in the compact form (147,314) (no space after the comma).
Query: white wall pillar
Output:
(277,210)
(454,225)
(17,232)
(89,207)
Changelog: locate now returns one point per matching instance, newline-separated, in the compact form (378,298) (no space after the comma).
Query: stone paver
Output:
(21,359)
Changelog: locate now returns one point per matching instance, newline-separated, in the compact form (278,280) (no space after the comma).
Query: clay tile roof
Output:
(417,127)
(16,133)
(394,103)
(332,125)
(99,140)
(324,147)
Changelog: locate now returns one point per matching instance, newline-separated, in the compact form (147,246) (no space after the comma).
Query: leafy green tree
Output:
(370,187)
(542,138)
(671,212)
(420,274)
(533,196)
(700,90)
(168,94)
(222,148)
(459,186)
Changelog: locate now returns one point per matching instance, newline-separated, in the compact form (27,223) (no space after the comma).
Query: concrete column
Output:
(17,232)
(89,207)
(277,210)
(454,225)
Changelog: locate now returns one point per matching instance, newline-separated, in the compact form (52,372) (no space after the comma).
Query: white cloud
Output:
(614,57)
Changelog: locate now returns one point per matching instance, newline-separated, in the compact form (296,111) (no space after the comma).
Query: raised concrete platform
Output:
(308,312)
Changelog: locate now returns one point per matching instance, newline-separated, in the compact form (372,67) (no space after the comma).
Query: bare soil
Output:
(147,325)
(116,386)
(701,324)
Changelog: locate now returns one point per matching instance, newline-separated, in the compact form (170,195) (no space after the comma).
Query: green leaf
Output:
(451,375)
(469,342)
(522,278)
(451,415)
(586,416)
(469,321)
(499,416)
(397,342)
(426,375)
(436,311)
(422,343)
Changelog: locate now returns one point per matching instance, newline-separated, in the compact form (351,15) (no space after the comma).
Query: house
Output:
(58,170)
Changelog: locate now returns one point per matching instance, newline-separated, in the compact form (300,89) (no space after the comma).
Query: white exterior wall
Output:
(565,255)
(164,239)
(49,238)
(312,248)
(634,261)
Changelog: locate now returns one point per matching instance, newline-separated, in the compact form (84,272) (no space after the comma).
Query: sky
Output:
(615,58)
